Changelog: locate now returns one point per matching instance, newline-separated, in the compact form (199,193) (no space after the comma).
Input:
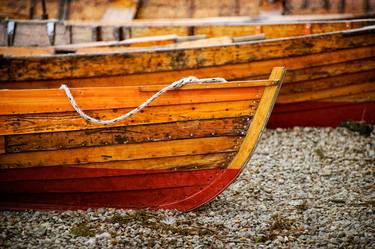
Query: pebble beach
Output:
(303,188)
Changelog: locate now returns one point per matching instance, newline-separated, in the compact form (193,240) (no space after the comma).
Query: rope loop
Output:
(174,85)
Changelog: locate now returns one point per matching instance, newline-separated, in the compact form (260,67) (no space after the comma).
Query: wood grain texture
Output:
(249,70)
(73,32)
(76,66)
(70,121)
(329,82)
(363,97)
(79,9)
(2,144)
(55,100)
(259,121)
(118,168)
(197,146)
(127,135)
(321,114)
(327,93)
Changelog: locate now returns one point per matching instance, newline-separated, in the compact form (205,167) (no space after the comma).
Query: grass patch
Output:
(319,153)
(362,128)
(82,230)
(279,226)
(154,222)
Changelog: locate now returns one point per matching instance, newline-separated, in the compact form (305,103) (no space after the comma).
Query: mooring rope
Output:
(174,85)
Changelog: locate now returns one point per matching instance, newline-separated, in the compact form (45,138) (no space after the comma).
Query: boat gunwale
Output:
(188,23)
(161,49)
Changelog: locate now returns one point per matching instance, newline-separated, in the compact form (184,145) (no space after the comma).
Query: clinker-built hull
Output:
(179,152)
(330,75)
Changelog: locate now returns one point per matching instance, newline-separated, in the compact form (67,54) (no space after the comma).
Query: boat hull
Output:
(179,152)
(320,114)
(59,188)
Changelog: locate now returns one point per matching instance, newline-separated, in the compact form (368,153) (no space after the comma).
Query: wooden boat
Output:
(330,76)
(179,152)
(302,7)
(69,10)
(20,33)
(106,10)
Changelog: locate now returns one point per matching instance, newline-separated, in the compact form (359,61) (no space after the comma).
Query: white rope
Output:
(174,85)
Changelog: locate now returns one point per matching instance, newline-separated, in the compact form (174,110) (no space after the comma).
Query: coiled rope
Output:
(174,85)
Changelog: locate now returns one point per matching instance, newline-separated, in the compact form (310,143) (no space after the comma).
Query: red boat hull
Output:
(320,114)
(60,188)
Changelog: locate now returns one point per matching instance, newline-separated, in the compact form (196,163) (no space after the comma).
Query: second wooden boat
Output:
(20,33)
(179,152)
(330,75)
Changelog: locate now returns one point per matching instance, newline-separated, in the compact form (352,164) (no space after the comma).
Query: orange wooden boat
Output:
(330,75)
(179,152)
(49,33)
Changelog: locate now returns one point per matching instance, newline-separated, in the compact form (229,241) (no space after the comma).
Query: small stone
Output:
(91,242)
(297,203)
(104,235)
(325,172)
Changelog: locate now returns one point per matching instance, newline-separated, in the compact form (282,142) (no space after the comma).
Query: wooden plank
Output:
(321,72)
(213,85)
(79,10)
(157,9)
(247,38)
(153,31)
(197,146)
(26,51)
(126,135)
(2,145)
(224,40)
(3,28)
(132,42)
(165,60)
(326,94)
(81,34)
(259,121)
(39,35)
(55,100)
(83,31)
(118,168)
(326,83)
(229,72)
(62,34)
(70,121)
(276,30)
(353,98)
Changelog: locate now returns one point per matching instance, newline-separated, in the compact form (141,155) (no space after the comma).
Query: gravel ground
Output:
(304,188)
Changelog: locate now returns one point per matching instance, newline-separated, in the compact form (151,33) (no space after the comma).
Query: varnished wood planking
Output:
(197,146)
(55,100)
(273,30)
(329,82)
(26,51)
(327,93)
(127,135)
(79,9)
(211,85)
(65,33)
(259,121)
(2,144)
(70,121)
(321,72)
(118,168)
(92,47)
(229,72)
(152,31)
(355,98)
(164,60)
